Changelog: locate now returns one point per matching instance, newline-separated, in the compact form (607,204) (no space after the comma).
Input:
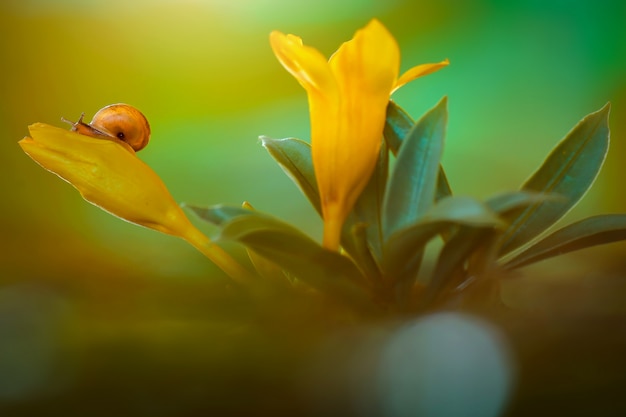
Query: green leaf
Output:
(569,170)
(356,244)
(299,255)
(219,213)
(398,124)
(443,187)
(268,270)
(368,208)
(294,157)
(413,182)
(507,202)
(463,210)
(409,242)
(592,231)
(450,266)
(292,250)
(477,223)
(407,245)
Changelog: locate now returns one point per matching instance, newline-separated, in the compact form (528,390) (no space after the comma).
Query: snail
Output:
(119,121)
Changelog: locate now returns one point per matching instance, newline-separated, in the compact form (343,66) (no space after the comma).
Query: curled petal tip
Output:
(419,71)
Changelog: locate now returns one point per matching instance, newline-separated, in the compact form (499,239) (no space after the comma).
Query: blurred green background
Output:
(522,74)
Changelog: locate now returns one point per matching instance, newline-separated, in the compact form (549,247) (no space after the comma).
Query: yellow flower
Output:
(108,174)
(348,97)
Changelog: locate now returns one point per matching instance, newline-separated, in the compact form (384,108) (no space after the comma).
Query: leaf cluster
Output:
(409,204)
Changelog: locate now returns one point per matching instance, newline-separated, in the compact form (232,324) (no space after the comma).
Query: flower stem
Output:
(333,221)
(218,256)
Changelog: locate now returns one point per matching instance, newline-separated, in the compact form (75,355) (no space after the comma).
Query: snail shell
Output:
(119,121)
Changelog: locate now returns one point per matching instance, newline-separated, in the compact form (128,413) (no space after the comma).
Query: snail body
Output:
(119,121)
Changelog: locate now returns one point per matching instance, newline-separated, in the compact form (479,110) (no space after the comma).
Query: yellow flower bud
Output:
(348,96)
(108,174)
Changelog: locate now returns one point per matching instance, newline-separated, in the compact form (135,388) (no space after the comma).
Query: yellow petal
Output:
(418,71)
(108,174)
(306,64)
(348,98)
(365,69)
(314,73)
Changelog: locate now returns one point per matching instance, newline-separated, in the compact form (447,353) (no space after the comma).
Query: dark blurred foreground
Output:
(197,349)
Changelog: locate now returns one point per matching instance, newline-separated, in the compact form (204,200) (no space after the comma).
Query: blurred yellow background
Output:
(522,74)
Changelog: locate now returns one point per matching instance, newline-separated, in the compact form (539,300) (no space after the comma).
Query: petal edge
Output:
(305,63)
(419,71)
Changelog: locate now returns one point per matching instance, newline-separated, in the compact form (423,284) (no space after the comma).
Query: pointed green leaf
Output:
(413,182)
(290,249)
(507,202)
(448,212)
(268,270)
(299,255)
(398,124)
(217,214)
(368,207)
(452,258)
(463,210)
(294,157)
(445,216)
(569,170)
(592,231)
(443,187)
(477,223)
(356,244)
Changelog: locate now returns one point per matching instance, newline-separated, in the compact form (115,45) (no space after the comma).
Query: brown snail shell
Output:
(119,121)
